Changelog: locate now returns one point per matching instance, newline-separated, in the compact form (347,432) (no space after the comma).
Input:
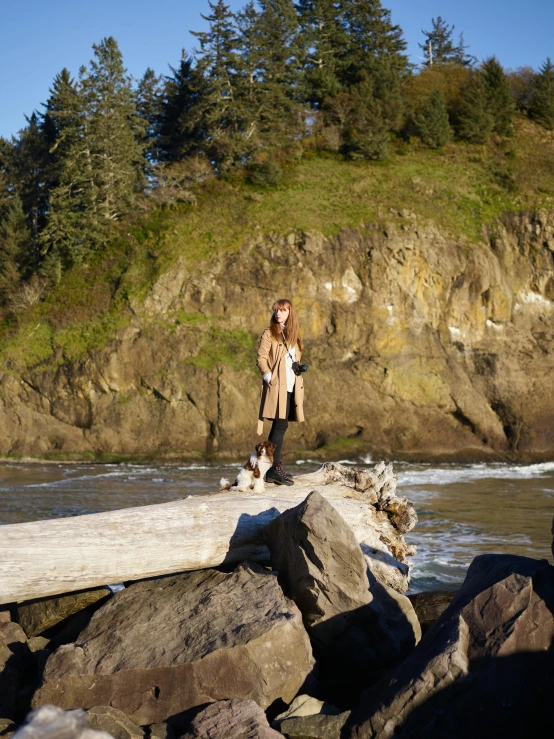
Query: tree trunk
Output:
(45,558)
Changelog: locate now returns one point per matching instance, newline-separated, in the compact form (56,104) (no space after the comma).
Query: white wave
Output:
(83,478)
(447,476)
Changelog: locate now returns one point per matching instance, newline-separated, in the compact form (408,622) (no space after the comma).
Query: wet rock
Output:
(14,666)
(163,646)
(321,566)
(305,705)
(485,669)
(232,719)
(51,722)
(429,606)
(114,722)
(315,727)
(38,616)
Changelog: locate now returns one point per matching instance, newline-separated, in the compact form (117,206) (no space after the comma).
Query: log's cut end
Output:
(44,558)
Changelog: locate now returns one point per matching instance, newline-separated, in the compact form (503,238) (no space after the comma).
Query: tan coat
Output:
(272,358)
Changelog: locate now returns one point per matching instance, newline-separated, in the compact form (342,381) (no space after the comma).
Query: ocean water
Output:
(463,510)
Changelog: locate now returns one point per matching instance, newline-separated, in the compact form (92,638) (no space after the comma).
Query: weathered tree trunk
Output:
(57,556)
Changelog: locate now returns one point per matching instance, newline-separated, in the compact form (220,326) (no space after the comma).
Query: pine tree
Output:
(474,121)
(542,104)
(371,39)
(366,131)
(280,82)
(431,121)
(323,29)
(180,123)
(102,171)
(147,98)
(218,62)
(443,48)
(59,122)
(15,247)
(116,131)
(501,104)
(250,69)
(28,167)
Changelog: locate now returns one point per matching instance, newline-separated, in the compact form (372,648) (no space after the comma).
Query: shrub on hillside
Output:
(474,120)
(431,121)
(265,174)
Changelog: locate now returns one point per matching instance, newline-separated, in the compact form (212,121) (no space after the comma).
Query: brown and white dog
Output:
(251,477)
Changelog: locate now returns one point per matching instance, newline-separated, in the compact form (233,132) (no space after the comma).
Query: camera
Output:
(299,368)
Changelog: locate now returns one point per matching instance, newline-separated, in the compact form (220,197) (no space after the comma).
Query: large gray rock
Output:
(322,568)
(50,722)
(114,722)
(315,727)
(232,719)
(305,705)
(39,615)
(485,669)
(15,660)
(163,646)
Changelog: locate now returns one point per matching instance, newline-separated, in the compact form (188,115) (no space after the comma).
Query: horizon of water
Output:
(463,509)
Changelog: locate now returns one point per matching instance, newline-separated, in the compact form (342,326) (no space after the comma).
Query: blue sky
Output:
(40,38)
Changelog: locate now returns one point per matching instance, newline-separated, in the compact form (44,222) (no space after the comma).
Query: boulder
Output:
(315,727)
(161,731)
(7,728)
(430,605)
(232,719)
(50,722)
(486,667)
(39,615)
(305,705)
(15,661)
(114,722)
(321,567)
(163,646)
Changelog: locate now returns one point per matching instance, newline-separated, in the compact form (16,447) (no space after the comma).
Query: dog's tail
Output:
(224,484)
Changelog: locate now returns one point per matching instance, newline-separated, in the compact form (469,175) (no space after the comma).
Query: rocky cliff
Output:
(420,344)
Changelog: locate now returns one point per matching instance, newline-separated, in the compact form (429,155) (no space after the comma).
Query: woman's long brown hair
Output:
(292,329)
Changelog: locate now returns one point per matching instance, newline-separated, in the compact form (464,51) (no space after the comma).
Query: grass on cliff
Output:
(460,188)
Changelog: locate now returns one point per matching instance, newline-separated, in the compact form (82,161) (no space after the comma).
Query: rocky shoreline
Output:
(314,646)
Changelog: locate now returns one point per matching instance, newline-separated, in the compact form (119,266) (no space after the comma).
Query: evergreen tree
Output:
(102,171)
(366,131)
(60,121)
(250,69)
(325,37)
(501,104)
(218,62)
(27,168)
(474,121)
(15,247)
(542,104)
(180,123)
(148,96)
(371,38)
(280,83)
(431,121)
(443,49)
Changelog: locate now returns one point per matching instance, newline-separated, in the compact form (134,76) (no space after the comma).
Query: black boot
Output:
(277,475)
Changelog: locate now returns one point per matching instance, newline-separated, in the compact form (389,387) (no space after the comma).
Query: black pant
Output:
(278,429)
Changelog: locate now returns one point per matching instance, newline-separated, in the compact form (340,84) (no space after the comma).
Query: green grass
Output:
(460,188)
(220,346)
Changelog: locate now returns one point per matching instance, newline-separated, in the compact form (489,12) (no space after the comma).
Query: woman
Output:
(282,390)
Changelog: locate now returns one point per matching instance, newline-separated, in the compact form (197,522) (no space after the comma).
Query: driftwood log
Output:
(45,558)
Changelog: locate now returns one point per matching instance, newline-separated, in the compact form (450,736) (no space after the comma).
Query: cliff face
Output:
(419,345)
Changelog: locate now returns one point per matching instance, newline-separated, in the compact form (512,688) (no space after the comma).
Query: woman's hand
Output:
(267,377)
